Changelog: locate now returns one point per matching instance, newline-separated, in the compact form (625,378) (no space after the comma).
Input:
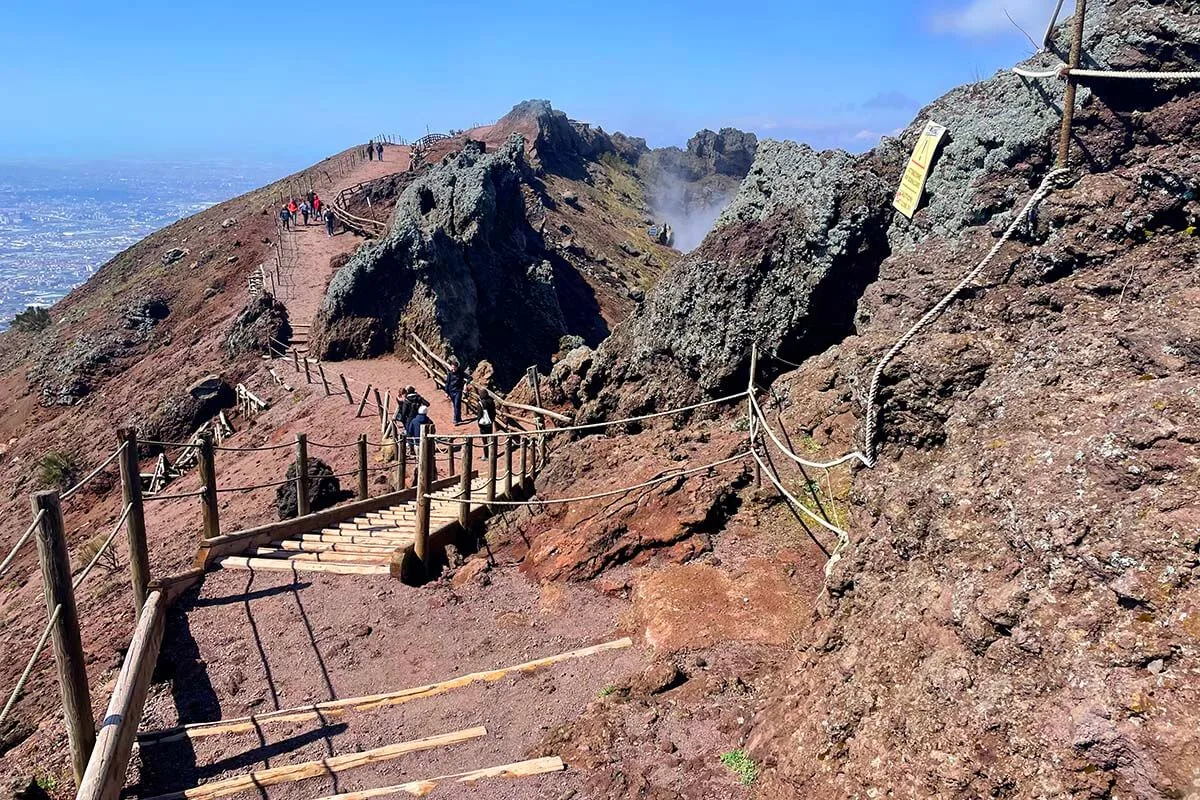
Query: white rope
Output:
(817,518)
(551,501)
(37,651)
(758,412)
(591,425)
(103,548)
(95,472)
(935,312)
(37,519)
(1063,71)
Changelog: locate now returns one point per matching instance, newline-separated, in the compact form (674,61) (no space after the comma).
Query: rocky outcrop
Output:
(260,328)
(784,268)
(324,489)
(461,266)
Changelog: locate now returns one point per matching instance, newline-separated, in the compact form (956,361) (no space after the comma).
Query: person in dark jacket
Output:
(370,151)
(456,382)
(379,150)
(285,217)
(410,402)
(486,419)
(330,221)
(413,430)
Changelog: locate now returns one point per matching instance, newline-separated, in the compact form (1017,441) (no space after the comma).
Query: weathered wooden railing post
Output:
(208,480)
(301,475)
(362,466)
(752,420)
(401,460)
(135,523)
(1074,59)
(346,389)
(307,375)
(493,462)
(508,467)
(524,461)
(68,648)
(450,451)
(543,441)
(324,382)
(363,403)
(295,359)
(464,485)
(424,479)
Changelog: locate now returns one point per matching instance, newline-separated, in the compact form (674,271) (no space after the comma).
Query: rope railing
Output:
(8,560)
(83,574)
(1064,71)
(272,485)
(612,493)
(37,651)
(786,451)
(182,495)
(103,466)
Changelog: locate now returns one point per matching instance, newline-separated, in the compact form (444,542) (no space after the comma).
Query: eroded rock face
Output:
(260,328)
(461,265)
(784,267)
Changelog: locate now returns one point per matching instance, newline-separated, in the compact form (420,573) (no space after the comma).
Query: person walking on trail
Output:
(486,419)
(310,197)
(285,218)
(329,223)
(370,151)
(410,402)
(316,205)
(305,210)
(291,207)
(456,382)
(413,430)
(379,150)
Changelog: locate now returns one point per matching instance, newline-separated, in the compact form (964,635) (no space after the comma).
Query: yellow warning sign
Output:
(912,185)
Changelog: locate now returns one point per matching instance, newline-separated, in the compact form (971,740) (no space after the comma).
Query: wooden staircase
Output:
(361,546)
(299,340)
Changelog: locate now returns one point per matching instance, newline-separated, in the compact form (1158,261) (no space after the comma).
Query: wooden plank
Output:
(281,565)
(290,773)
(320,711)
(105,775)
(340,557)
(352,538)
(234,543)
(333,547)
(519,769)
(173,586)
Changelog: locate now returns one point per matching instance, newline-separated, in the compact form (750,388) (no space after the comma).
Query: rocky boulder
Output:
(461,267)
(259,328)
(324,489)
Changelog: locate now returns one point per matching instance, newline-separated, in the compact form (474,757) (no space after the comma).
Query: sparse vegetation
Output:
(46,783)
(57,470)
(608,690)
(740,764)
(31,320)
(108,561)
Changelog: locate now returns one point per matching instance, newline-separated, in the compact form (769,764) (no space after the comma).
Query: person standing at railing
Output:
(456,382)
(412,431)
(409,404)
(486,419)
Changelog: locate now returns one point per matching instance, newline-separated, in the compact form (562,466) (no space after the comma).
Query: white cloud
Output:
(987,17)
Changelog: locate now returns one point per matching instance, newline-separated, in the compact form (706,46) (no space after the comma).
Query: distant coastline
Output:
(59,222)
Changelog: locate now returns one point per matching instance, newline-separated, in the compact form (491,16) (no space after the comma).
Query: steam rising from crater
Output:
(690,208)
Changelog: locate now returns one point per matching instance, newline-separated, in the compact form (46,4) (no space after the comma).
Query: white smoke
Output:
(690,209)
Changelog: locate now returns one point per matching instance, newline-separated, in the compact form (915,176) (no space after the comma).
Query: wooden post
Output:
(1068,117)
(508,467)
(362,466)
(464,485)
(535,384)
(307,376)
(68,648)
(379,405)
(135,523)
(363,403)
(295,359)
(450,451)
(424,478)
(524,461)
(325,383)
(346,389)
(493,460)
(302,475)
(208,478)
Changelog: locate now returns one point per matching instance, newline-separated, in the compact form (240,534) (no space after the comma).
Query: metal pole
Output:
(1064,137)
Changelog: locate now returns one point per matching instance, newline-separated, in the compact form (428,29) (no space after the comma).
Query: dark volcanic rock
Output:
(461,265)
(324,490)
(260,327)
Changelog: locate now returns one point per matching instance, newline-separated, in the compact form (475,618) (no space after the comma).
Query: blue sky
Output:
(290,82)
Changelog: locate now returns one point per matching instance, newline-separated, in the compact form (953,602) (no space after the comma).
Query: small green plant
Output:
(47,783)
(608,690)
(742,765)
(31,320)
(57,470)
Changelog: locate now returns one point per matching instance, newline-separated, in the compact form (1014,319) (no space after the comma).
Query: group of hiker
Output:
(373,150)
(310,206)
(412,413)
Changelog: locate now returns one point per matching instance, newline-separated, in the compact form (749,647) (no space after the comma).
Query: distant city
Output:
(60,222)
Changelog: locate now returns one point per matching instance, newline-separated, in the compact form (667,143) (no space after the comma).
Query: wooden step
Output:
(284,565)
(333,558)
(306,546)
(347,537)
